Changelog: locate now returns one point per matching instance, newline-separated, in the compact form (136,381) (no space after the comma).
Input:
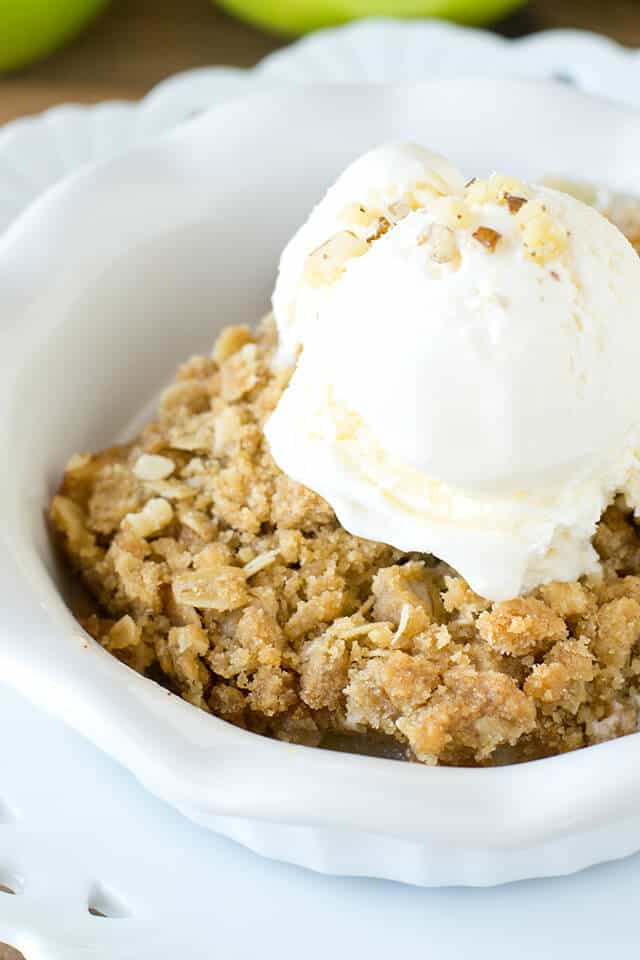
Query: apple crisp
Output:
(211,571)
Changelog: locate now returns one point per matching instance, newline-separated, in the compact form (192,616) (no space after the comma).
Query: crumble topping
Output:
(211,571)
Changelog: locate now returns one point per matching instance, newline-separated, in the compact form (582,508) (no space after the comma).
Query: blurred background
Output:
(53,51)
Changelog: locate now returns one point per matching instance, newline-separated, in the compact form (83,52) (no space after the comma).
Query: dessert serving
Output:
(403,507)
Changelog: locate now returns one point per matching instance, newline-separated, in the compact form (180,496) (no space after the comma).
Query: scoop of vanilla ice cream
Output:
(468,382)
(368,196)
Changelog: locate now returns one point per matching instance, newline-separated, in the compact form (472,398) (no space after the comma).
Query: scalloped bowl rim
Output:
(471,825)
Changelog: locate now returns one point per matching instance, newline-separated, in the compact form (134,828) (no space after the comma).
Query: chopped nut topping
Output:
(399,210)
(325,264)
(487,237)
(514,203)
(453,211)
(543,238)
(357,215)
(441,242)
(381,226)
(423,194)
(495,189)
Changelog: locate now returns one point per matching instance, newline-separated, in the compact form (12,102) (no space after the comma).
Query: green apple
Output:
(299,16)
(32,28)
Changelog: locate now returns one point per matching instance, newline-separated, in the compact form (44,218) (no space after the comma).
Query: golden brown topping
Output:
(568,600)
(561,681)
(324,664)
(230,341)
(521,627)
(514,203)
(618,631)
(251,601)
(212,588)
(487,237)
(408,681)
(477,711)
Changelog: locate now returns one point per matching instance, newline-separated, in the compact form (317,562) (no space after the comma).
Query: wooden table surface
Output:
(136,43)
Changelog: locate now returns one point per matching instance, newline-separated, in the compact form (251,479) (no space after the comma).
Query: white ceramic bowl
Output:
(105,284)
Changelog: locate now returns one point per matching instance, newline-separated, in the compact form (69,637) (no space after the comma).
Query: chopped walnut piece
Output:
(358,215)
(441,243)
(487,237)
(514,203)
(399,210)
(543,237)
(495,189)
(325,264)
(453,212)
(380,226)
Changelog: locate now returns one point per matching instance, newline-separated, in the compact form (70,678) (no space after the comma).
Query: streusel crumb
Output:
(211,570)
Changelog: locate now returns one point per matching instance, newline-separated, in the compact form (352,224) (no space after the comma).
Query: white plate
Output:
(37,151)
(105,283)
(80,826)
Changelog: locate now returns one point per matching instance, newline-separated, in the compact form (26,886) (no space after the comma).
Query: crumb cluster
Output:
(213,572)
